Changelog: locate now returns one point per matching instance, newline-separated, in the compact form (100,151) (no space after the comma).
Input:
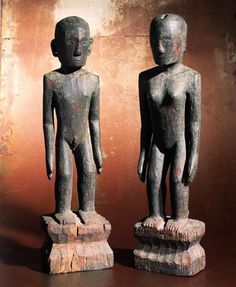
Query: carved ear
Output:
(54,48)
(90,46)
(185,48)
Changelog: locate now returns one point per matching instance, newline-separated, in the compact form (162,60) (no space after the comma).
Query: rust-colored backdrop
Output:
(121,51)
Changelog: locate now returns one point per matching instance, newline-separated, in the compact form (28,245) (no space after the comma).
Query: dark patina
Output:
(73,93)
(170,118)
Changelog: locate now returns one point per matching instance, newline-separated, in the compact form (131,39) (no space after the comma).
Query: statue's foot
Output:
(67,217)
(91,217)
(154,221)
(176,224)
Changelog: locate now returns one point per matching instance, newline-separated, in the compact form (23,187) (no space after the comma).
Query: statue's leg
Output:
(63,184)
(166,164)
(156,186)
(86,175)
(156,189)
(179,193)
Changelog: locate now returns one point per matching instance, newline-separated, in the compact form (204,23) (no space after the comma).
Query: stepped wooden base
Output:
(173,252)
(75,246)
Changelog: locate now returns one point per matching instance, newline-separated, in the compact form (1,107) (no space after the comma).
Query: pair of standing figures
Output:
(170,122)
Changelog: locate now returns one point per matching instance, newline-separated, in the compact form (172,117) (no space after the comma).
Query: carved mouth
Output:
(77,58)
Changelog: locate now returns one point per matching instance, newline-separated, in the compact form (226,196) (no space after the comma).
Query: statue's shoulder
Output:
(51,75)
(49,80)
(191,72)
(194,77)
(91,79)
(147,75)
(90,75)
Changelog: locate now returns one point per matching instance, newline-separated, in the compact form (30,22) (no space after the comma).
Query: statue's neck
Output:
(68,70)
(172,68)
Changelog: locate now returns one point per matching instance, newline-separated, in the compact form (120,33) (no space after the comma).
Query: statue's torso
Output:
(166,98)
(71,97)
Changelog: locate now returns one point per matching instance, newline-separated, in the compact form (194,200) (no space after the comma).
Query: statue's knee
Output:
(64,175)
(153,180)
(177,175)
(88,173)
(176,180)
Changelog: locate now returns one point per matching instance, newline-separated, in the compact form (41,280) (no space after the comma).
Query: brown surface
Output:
(72,246)
(20,264)
(118,55)
(170,251)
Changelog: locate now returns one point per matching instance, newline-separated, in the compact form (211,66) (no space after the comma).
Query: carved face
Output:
(72,46)
(167,43)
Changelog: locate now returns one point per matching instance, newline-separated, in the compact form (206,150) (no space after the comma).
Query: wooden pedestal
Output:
(75,246)
(171,252)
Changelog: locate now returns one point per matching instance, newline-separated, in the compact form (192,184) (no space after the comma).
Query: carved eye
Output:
(167,41)
(69,43)
(84,42)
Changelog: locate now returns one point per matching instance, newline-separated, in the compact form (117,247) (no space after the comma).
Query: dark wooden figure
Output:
(170,119)
(73,93)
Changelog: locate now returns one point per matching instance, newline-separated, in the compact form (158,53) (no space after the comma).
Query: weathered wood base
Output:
(75,246)
(173,252)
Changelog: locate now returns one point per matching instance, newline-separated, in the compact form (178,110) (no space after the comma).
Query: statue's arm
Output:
(48,125)
(193,125)
(146,130)
(94,126)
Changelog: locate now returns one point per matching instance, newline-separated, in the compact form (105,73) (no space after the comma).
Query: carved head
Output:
(72,43)
(168,35)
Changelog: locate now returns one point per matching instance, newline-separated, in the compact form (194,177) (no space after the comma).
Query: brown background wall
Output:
(120,51)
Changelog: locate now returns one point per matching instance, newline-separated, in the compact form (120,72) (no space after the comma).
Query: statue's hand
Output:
(49,167)
(191,169)
(99,170)
(140,169)
(98,162)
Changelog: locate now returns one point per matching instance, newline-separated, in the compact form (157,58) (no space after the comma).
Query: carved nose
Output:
(161,48)
(77,51)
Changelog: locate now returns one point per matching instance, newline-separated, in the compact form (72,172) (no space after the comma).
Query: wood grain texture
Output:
(75,246)
(173,252)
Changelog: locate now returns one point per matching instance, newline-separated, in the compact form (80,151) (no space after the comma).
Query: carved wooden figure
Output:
(170,135)
(75,241)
